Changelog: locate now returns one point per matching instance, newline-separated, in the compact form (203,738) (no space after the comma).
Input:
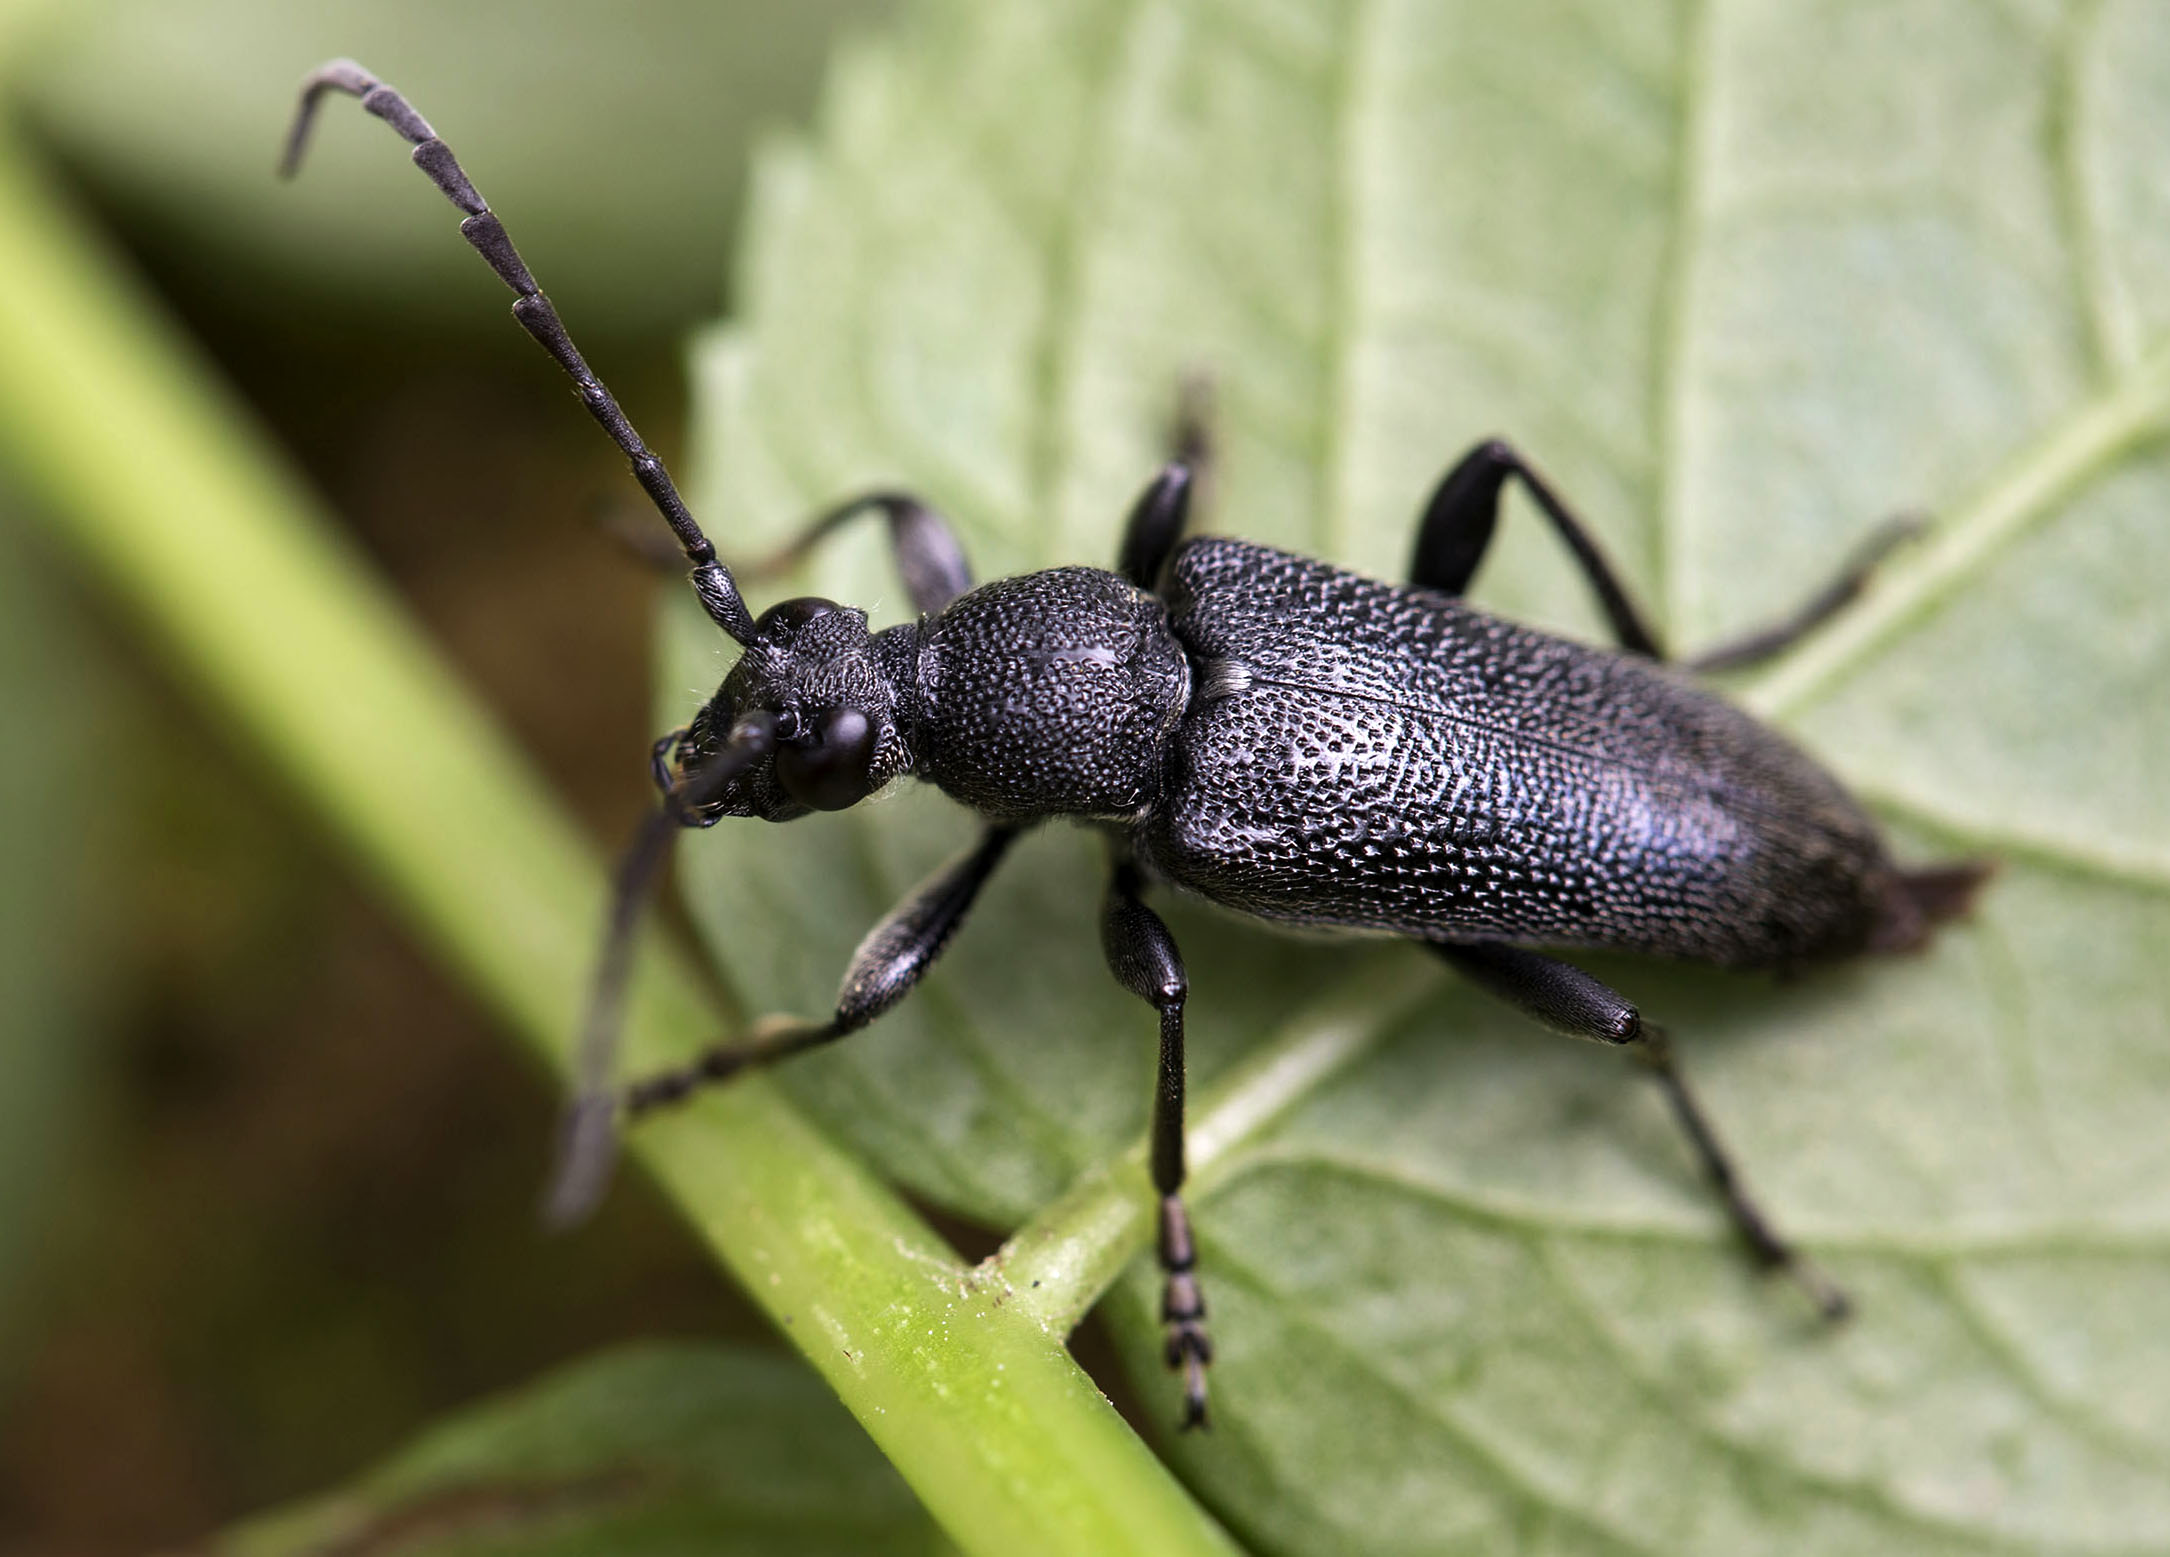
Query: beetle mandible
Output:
(1271,733)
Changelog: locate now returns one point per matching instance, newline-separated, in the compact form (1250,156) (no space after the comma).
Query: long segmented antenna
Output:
(712,581)
(587,1143)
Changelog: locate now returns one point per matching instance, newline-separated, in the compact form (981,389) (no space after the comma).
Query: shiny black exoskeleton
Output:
(1272,733)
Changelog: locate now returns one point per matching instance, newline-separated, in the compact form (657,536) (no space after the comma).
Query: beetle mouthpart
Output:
(664,755)
(688,811)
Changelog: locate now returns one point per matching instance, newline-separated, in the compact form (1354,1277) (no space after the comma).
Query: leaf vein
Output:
(1678,1406)
(1049,447)
(1512,1476)
(1503,1213)
(1346,230)
(2112,336)
(2148,871)
(1988,1332)
(2029,490)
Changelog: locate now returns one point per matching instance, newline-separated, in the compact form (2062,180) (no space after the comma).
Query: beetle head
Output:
(812,670)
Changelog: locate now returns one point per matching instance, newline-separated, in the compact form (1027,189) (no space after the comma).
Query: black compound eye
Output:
(830,768)
(784,620)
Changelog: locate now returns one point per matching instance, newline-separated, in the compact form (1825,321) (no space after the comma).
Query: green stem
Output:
(156,479)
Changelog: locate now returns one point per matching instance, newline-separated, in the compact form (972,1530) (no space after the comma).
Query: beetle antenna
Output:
(712,581)
(587,1142)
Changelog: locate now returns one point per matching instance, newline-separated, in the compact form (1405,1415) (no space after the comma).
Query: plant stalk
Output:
(152,475)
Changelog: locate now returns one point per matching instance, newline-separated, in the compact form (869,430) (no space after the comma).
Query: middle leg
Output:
(1143,957)
(1155,526)
(1156,522)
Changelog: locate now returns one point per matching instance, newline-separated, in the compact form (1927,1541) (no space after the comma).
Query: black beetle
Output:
(1279,736)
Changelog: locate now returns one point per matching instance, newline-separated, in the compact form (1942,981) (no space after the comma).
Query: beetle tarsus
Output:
(1833,1306)
(587,1147)
(1183,1309)
(1654,1047)
(1767,643)
(769,1042)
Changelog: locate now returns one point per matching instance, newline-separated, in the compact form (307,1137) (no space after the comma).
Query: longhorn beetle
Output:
(1274,734)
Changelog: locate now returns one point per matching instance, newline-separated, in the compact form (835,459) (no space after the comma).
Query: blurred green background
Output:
(259,1211)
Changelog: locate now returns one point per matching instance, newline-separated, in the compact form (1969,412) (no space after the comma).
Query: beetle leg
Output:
(1190,435)
(891,960)
(1143,957)
(1158,518)
(1861,564)
(928,556)
(1155,525)
(1457,527)
(1570,1001)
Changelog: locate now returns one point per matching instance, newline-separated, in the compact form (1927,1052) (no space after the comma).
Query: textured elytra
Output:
(1744,279)
(1387,759)
(1293,741)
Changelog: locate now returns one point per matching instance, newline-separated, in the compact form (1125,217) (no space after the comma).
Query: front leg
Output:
(889,963)
(1143,957)
(927,554)
(892,959)
(925,549)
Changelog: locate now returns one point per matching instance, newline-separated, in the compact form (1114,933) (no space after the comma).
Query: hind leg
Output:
(1456,532)
(1143,957)
(1458,523)
(1568,1000)
(1765,643)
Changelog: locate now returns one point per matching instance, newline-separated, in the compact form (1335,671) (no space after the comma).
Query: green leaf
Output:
(654,1449)
(1745,279)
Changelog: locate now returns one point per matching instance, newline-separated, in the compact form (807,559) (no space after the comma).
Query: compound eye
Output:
(785,619)
(830,767)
